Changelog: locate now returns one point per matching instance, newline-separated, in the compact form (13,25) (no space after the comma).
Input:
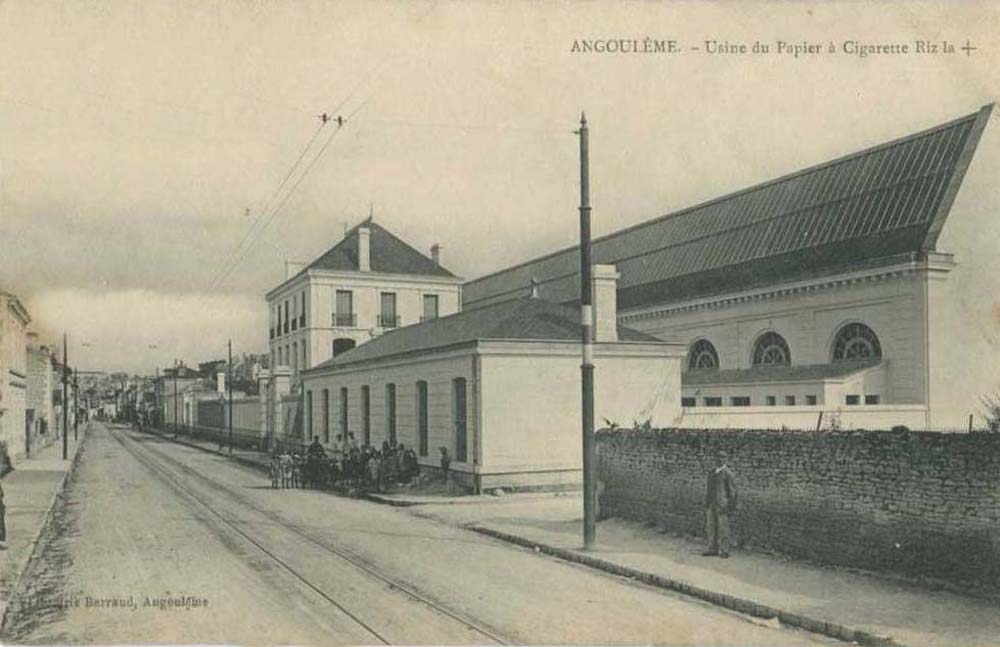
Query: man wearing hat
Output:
(720,502)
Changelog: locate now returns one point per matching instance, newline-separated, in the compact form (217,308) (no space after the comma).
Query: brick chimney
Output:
(436,253)
(364,249)
(604,279)
(534,288)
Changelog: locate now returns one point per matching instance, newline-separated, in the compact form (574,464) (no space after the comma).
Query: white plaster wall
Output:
(880,417)
(893,308)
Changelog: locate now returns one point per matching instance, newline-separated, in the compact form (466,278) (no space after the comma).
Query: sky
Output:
(144,144)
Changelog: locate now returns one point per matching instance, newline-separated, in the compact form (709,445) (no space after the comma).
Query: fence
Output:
(921,504)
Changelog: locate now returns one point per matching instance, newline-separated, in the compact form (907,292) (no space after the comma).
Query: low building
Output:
(14,320)
(497,386)
(368,283)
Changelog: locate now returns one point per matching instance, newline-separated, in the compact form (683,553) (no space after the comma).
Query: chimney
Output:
(436,253)
(534,288)
(604,279)
(364,249)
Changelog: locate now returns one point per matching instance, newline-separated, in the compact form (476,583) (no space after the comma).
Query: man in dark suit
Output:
(720,502)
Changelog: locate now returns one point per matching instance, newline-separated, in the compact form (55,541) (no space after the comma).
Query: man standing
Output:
(720,502)
(3,522)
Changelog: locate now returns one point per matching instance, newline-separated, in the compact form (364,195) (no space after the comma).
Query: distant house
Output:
(39,414)
(498,386)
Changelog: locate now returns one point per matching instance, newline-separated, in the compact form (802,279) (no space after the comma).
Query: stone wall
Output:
(918,504)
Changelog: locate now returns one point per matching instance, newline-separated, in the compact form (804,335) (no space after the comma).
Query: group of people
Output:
(348,463)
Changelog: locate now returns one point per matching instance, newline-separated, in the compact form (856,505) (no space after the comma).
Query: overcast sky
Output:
(135,137)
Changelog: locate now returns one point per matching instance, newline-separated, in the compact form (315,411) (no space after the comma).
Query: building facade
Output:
(39,413)
(367,284)
(14,320)
(820,298)
(498,387)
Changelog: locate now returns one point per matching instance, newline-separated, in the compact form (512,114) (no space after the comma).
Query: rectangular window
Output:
(309,414)
(326,416)
(430,307)
(740,401)
(387,312)
(689,402)
(459,414)
(286,317)
(713,402)
(422,417)
(772,401)
(811,400)
(390,412)
(853,400)
(295,313)
(343,412)
(789,400)
(295,356)
(871,399)
(366,415)
(305,360)
(344,314)
(302,312)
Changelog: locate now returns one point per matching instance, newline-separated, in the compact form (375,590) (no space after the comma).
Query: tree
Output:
(991,411)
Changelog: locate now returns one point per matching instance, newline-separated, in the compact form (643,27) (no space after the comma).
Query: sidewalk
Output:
(849,605)
(30,493)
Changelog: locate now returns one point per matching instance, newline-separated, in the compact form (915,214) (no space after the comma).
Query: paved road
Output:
(162,543)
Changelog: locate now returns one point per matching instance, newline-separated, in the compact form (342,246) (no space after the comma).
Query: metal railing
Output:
(388,321)
(345,319)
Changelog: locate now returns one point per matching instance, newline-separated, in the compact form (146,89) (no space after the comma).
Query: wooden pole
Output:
(65,402)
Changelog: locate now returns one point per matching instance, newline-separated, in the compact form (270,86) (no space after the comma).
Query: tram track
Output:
(154,459)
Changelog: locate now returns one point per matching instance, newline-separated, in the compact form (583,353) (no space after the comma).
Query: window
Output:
(689,402)
(459,415)
(366,415)
(326,416)
(422,417)
(856,341)
(772,401)
(740,401)
(305,361)
(295,356)
(872,399)
(302,312)
(286,317)
(344,313)
(295,313)
(811,400)
(390,412)
(702,355)
(343,412)
(430,307)
(789,400)
(713,402)
(853,400)
(771,350)
(387,313)
(342,345)
(309,414)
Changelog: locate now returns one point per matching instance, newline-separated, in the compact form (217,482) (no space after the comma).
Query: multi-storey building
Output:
(368,283)
(39,414)
(14,320)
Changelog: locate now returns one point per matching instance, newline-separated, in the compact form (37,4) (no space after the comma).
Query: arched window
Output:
(856,341)
(702,355)
(771,350)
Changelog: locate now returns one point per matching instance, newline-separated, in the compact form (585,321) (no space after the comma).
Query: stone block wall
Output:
(920,504)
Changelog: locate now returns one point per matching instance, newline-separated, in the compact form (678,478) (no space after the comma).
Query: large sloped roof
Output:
(523,318)
(880,203)
(388,254)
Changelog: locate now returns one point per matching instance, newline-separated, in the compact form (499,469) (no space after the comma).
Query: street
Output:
(158,542)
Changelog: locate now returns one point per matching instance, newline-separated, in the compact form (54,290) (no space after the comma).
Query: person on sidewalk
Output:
(720,502)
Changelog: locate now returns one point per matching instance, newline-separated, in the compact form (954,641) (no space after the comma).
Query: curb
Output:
(33,548)
(395,503)
(741,605)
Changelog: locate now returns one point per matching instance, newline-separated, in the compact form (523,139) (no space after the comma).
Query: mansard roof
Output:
(517,319)
(883,202)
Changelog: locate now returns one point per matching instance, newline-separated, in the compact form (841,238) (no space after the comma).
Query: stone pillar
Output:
(281,385)
(263,387)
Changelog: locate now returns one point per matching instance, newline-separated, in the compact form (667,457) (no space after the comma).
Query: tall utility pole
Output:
(76,401)
(229,387)
(65,402)
(176,369)
(587,338)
